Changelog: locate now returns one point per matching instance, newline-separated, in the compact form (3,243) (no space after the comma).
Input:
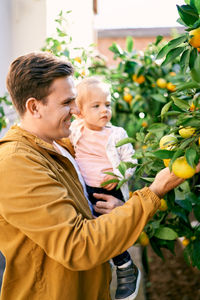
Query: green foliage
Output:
(3,120)
(150,112)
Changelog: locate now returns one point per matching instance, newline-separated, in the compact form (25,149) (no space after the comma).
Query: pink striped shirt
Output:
(91,155)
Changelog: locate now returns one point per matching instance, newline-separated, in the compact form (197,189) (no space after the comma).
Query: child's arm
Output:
(109,186)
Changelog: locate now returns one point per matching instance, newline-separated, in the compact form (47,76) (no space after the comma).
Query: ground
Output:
(171,279)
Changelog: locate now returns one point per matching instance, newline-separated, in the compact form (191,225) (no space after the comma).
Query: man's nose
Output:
(74,109)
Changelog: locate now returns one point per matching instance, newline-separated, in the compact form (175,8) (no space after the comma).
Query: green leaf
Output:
(129,43)
(184,60)
(157,127)
(172,44)
(148,179)
(159,98)
(191,157)
(193,56)
(188,14)
(125,141)
(196,210)
(177,154)
(195,4)
(180,212)
(185,143)
(110,173)
(195,71)
(165,233)
(159,38)
(190,122)
(121,183)
(165,108)
(179,40)
(109,181)
(163,52)
(181,103)
(196,254)
(115,48)
(188,85)
(164,154)
(122,168)
(172,54)
(156,248)
(184,204)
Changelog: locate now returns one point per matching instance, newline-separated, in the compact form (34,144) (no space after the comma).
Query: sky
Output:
(137,13)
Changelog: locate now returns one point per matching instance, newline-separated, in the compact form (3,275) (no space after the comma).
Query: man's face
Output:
(57,112)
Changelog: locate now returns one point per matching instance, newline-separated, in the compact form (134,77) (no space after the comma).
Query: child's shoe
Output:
(128,281)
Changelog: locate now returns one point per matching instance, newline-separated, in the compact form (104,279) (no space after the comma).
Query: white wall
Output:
(28,25)
(80,20)
(25,24)
(6,41)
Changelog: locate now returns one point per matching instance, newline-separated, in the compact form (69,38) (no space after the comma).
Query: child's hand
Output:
(109,186)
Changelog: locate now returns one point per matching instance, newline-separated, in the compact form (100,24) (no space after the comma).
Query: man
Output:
(53,246)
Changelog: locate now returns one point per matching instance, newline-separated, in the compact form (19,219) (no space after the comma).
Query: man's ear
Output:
(32,106)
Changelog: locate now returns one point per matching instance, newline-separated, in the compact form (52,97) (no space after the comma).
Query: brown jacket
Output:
(54,248)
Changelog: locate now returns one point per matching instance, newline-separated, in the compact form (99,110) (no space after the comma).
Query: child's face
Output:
(96,109)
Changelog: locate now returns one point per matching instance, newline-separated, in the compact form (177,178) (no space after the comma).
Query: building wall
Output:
(141,37)
(25,24)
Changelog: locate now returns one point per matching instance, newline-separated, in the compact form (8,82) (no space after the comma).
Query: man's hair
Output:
(87,86)
(32,75)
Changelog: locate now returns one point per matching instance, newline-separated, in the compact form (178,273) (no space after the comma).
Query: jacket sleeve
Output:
(39,206)
(126,152)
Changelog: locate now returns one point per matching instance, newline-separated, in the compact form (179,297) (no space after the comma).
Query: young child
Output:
(94,140)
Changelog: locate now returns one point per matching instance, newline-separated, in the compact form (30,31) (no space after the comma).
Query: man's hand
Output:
(165,181)
(109,186)
(106,206)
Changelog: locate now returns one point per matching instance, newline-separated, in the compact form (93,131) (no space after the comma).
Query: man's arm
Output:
(36,203)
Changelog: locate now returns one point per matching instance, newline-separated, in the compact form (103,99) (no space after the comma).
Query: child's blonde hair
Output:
(86,87)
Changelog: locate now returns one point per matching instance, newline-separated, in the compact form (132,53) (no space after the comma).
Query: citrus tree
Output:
(156,98)
(86,62)
(4,101)
(174,141)
(141,86)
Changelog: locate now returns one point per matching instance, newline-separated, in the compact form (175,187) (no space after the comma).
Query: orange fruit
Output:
(195,38)
(138,97)
(143,239)
(186,132)
(127,97)
(171,87)
(163,205)
(185,242)
(172,73)
(166,162)
(78,59)
(182,169)
(192,107)
(144,124)
(161,82)
(168,141)
(139,79)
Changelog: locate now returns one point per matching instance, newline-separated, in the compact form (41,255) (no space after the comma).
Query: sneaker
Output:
(128,281)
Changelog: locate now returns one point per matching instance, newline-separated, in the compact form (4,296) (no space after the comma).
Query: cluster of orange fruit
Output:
(180,167)
(162,83)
